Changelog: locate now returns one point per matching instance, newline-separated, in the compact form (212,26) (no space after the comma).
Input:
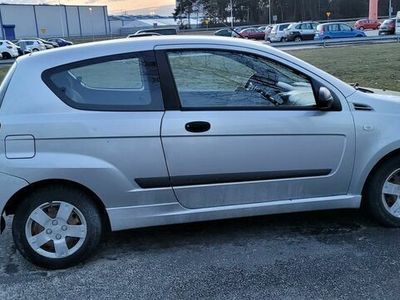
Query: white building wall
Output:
(92,20)
(51,21)
(55,20)
(22,16)
(73,21)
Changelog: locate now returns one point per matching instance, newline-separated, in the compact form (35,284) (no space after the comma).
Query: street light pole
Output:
(231,13)
(269,14)
(390,9)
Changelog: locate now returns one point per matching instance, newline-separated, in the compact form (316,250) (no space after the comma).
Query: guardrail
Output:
(339,42)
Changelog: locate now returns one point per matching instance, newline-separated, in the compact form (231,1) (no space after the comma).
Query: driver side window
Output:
(223,79)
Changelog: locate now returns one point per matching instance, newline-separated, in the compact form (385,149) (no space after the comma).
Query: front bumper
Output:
(9,185)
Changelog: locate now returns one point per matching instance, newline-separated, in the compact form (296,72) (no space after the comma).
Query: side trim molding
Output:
(160,182)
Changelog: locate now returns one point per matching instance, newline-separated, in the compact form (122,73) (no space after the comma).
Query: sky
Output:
(163,7)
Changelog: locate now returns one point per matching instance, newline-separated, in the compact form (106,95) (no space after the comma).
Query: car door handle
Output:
(198,126)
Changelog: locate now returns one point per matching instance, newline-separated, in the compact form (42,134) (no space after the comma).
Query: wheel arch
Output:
(382,160)
(14,201)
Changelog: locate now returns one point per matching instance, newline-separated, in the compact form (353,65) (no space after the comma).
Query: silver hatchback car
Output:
(162,130)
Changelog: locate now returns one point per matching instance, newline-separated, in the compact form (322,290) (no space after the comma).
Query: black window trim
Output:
(172,99)
(148,57)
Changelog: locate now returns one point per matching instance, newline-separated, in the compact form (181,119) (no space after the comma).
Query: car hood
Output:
(377,100)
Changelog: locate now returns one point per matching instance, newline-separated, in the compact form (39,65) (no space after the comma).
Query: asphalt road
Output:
(338,254)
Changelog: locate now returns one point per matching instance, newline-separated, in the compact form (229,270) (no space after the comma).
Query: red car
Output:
(252,33)
(367,24)
(388,27)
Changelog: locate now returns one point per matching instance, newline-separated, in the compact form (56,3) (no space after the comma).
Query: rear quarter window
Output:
(122,82)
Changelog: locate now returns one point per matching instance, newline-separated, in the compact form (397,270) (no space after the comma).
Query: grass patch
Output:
(375,66)
(3,71)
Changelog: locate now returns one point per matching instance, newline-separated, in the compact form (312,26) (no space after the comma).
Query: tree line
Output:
(257,11)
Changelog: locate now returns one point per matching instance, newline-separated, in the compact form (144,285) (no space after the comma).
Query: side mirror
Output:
(325,98)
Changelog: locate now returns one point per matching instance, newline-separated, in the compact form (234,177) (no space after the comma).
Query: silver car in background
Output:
(162,130)
(277,33)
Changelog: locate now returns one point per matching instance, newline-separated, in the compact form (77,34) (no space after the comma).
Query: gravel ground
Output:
(325,255)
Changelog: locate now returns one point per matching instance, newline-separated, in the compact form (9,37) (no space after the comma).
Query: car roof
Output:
(335,23)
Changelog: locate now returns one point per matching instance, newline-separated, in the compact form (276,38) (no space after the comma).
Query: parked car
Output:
(223,32)
(143,34)
(47,44)
(367,24)
(251,131)
(262,28)
(388,27)
(268,30)
(337,30)
(278,32)
(60,42)
(252,33)
(8,50)
(23,52)
(238,30)
(162,31)
(31,45)
(303,31)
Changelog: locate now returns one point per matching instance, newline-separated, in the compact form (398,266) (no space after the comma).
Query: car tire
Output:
(35,50)
(57,227)
(362,28)
(298,39)
(380,195)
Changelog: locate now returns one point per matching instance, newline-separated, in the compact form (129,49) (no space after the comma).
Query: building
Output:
(126,24)
(22,21)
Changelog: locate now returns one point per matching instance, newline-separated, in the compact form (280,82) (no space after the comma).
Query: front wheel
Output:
(57,227)
(298,39)
(382,193)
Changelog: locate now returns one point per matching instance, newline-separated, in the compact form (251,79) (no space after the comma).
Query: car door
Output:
(334,31)
(308,31)
(346,31)
(244,128)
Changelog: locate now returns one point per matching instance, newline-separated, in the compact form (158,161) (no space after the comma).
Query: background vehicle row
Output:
(309,30)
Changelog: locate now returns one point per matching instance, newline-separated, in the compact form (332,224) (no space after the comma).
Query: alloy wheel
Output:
(56,229)
(391,193)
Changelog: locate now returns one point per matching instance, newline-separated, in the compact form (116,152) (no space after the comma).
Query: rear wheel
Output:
(382,193)
(57,227)
(298,39)
(362,28)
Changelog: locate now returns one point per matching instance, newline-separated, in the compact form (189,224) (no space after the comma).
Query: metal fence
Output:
(340,42)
